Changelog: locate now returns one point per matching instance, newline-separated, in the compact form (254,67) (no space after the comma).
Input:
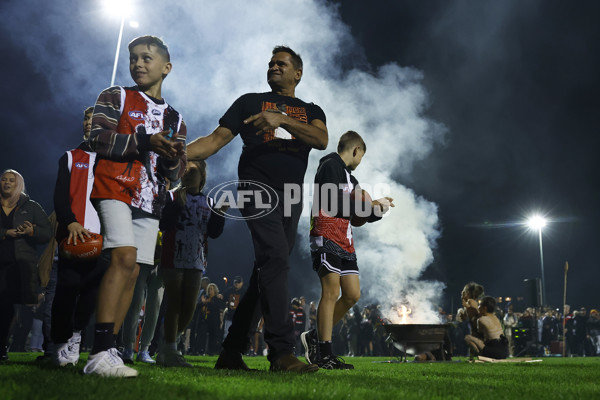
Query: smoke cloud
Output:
(219,51)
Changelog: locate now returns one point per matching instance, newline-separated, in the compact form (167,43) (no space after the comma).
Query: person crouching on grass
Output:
(140,142)
(494,343)
(187,223)
(332,246)
(470,296)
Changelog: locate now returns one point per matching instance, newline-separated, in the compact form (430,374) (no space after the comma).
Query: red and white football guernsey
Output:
(127,169)
(81,169)
(332,233)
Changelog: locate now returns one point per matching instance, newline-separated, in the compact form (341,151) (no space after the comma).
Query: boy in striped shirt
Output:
(140,142)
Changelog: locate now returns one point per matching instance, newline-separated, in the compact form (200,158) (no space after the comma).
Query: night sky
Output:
(516,84)
(511,88)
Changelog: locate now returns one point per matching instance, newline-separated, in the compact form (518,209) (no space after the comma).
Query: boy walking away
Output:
(332,245)
(140,141)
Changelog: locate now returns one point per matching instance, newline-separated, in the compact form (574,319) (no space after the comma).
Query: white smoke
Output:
(219,51)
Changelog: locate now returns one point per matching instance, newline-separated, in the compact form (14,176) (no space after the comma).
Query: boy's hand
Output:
(76,230)
(161,145)
(384,205)
(179,144)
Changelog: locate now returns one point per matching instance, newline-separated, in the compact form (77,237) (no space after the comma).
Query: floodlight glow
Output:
(118,8)
(536,222)
(134,24)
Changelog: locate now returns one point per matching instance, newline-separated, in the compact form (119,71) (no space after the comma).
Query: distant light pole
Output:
(112,80)
(537,223)
(121,8)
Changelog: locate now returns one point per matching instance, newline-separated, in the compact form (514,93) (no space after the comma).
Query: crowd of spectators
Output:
(361,332)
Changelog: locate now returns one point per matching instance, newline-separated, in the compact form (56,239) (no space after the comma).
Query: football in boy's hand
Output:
(83,251)
(361,197)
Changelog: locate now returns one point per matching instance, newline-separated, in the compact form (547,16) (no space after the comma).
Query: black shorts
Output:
(324,263)
(497,348)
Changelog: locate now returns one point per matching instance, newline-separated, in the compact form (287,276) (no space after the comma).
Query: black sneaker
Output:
(333,362)
(310,342)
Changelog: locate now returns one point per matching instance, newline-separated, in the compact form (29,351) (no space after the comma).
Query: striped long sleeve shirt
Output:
(127,169)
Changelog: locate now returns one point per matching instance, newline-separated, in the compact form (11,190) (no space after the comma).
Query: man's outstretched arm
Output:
(206,146)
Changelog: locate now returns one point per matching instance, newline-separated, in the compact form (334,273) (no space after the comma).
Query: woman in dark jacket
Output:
(23,225)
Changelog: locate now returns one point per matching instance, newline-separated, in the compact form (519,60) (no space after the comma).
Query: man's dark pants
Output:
(273,237)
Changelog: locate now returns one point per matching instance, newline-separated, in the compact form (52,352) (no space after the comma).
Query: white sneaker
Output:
(144,356)
(108,363)
(74,343)
(66,353)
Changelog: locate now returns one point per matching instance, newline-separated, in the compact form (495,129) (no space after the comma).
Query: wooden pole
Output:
(564,349)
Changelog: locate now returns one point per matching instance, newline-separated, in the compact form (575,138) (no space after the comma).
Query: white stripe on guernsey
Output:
(92,222)
(122,106)
(327,265)
(69,160)
(350,185)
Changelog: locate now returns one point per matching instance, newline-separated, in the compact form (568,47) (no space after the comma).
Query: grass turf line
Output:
(553,378)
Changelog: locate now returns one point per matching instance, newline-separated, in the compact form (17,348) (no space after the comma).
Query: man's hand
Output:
(384,205)
(161,145)
(76,230)
(266,120)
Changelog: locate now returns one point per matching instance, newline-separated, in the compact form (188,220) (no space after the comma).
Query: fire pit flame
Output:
(403,313)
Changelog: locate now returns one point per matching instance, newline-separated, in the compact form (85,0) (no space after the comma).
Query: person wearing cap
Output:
(232,298)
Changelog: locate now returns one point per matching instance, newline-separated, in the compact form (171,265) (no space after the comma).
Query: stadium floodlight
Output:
(537,222)
(118,8)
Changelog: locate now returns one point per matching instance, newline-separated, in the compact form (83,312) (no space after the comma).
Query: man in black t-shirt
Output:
(278,131)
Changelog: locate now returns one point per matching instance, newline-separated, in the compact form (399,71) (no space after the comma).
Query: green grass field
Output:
(22,378)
